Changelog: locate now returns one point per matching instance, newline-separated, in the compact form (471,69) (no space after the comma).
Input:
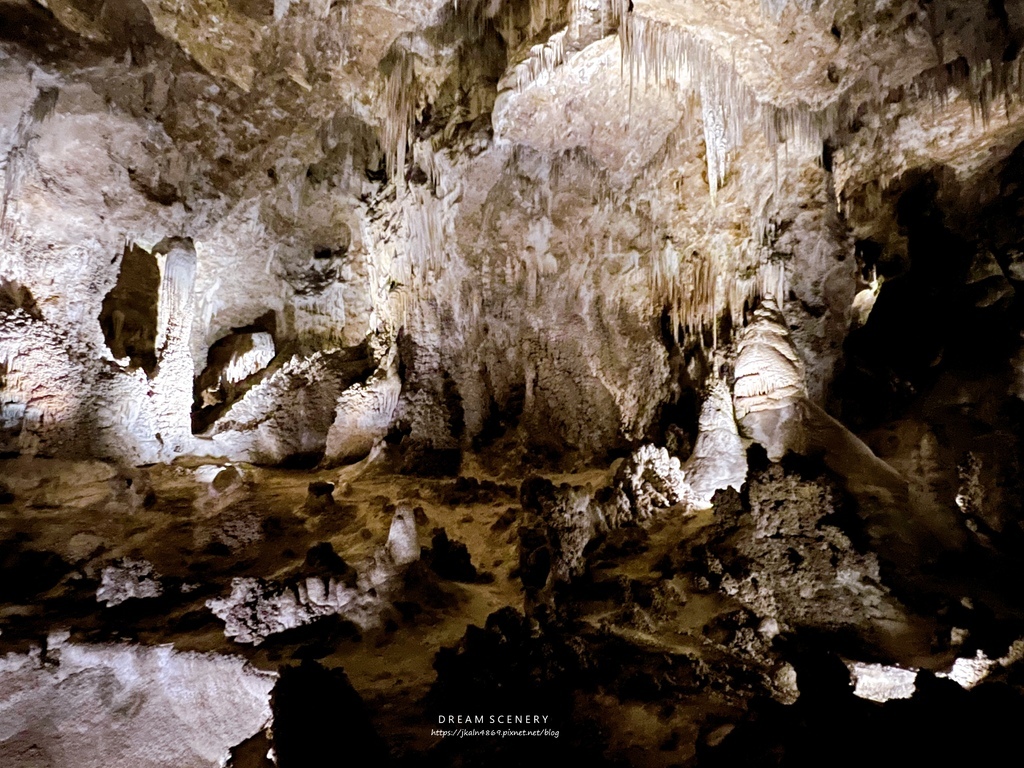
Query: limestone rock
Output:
(653,480)
(719,459)
(128,579)
(403,542)
(258,608)
(827,583)
(364,413)
(151,707)
(769,383)
(566,518)
(289,413)
(879,682)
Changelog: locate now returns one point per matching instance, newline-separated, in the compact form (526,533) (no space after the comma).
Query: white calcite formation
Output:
(128,579)
(769,383)
(516,192)
(523,214)
(247,361)
(653,480)
(967,672)
(363,415)
(881,683)
(289,412)
(172,386)
(403,542)
(96,706)
(719,458)
(256,608)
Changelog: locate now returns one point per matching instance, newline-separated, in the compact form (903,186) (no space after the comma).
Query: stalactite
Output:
(245,364)
(542,62)
(427,160)
(179,276)
(981,81)
(659,52)
(400,99)
(695,292)
(542,14)
(425,221)
(15,171)
(715,142)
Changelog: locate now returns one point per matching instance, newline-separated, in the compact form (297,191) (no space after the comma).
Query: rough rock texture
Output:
(802,570)
(652,480)
(128,579)
(101,705)
(567,522)
(878,682)
(769,383)
(258,608)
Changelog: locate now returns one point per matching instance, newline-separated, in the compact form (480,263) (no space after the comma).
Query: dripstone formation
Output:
(652,367)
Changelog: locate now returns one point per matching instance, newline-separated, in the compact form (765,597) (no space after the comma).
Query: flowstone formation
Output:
(655,367)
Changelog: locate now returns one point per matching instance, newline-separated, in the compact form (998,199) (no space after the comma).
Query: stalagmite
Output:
(172,386)
(769,383)
(719,458)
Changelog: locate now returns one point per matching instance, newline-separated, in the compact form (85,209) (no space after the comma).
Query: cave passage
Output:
(129,314)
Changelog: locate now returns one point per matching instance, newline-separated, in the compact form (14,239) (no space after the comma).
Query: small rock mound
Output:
(565,521)
(795,566)
(258,608)
(315,710)
(652,480)
(450,560)
(319,499)
(127,579)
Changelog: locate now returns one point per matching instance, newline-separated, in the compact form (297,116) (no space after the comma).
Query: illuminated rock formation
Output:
(687,333)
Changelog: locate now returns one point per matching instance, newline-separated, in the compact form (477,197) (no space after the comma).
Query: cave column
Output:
(172,386)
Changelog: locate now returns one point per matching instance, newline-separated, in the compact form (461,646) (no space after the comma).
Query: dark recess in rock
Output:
(315,710)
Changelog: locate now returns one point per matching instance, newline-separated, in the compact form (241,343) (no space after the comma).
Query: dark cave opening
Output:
(14,296)
(946,305)
(129,313)
(234,363)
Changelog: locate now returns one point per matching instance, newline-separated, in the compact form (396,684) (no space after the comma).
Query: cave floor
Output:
(67,521)
(87,515)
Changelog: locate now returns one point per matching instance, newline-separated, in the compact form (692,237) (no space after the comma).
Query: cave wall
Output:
(509,197)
